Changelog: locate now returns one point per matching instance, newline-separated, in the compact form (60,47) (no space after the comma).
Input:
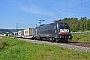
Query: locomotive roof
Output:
(51,23)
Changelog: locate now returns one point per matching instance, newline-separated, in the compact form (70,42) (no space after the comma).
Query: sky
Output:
(27,13)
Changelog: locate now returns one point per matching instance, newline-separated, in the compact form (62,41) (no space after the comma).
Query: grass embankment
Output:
(15,49)
(80,38)
(2,43)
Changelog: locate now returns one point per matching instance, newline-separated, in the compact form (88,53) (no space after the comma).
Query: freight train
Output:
(57,31)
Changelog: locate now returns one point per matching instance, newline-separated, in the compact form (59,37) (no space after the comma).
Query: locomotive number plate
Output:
(64,30)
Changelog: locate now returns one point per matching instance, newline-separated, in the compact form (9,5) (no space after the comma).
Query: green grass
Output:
(15,49)
(2,44)
(80,38)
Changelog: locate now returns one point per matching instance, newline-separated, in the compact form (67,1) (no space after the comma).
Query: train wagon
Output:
(57,31)
(21,34)
(29,32)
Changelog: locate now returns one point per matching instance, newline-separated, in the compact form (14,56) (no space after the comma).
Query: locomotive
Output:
(57,31)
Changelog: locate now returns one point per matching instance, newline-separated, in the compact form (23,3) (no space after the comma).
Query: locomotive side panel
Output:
(45,31)
(55,31)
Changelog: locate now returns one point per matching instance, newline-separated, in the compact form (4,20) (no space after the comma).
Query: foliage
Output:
(82,24)
(80,38)
(21,50)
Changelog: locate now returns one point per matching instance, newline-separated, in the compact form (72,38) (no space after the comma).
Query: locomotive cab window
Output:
(66,25)
(55,27)
(61,25)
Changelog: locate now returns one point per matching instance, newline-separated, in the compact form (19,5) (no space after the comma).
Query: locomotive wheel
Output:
(51,39)
(65,40)
(41,39)
(61,40)
(56,40)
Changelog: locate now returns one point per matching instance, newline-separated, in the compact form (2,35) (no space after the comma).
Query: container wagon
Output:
(21,34)
(29,32)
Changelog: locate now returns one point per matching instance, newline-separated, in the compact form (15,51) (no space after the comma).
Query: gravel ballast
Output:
(80,48)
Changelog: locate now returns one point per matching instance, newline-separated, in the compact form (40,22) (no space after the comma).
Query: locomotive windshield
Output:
(64,28)
(63,25)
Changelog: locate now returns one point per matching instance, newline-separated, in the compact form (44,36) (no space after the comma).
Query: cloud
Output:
(32,9)
(36,10)
(15,2)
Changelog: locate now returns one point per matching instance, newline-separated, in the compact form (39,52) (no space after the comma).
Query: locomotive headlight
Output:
(69,36)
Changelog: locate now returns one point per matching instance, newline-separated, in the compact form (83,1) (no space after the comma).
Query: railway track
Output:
(82,44)
(70,45)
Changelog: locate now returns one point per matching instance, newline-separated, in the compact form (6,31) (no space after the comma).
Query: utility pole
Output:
(16,29)
(40,21)
(36,25)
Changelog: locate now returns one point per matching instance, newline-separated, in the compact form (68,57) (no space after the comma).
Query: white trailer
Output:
(21,33)
(29,32)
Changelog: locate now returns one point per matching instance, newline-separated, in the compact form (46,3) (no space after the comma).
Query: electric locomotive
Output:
(57,31)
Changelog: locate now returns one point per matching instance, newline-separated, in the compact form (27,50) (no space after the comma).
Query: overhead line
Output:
(82,13)
(74,7)
(71,8)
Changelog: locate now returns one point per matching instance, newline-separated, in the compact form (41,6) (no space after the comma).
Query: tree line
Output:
(82,24)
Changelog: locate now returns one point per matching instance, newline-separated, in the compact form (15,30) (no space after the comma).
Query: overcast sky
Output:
(27,13)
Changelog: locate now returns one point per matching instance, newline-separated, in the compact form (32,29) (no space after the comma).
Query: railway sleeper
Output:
(62,40)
